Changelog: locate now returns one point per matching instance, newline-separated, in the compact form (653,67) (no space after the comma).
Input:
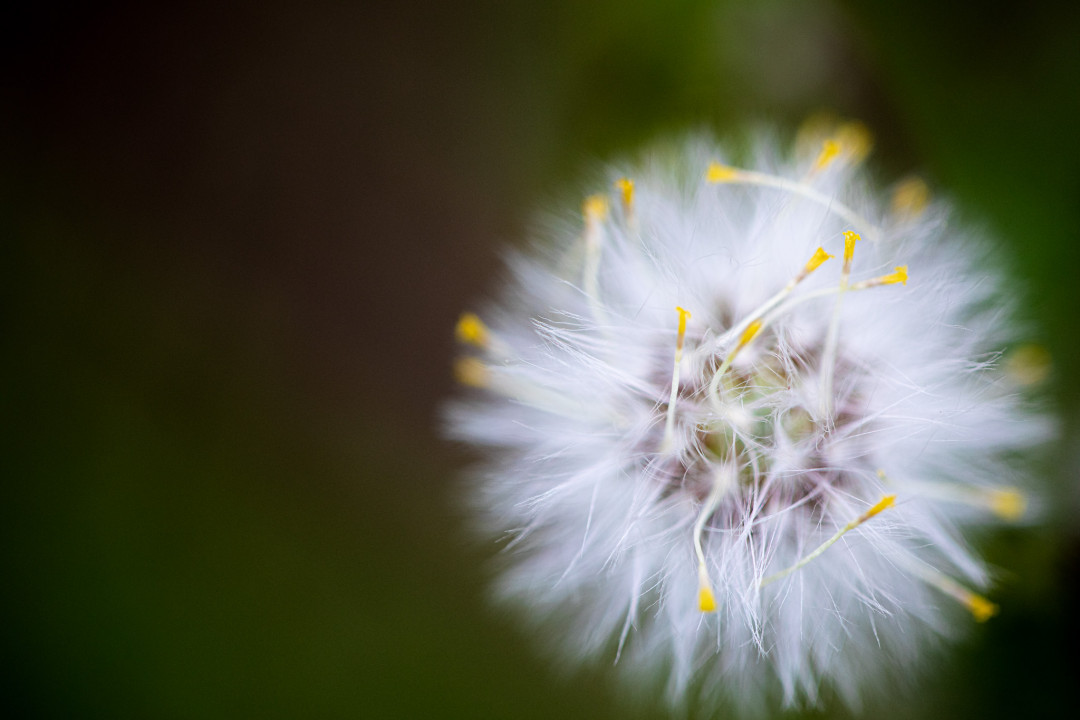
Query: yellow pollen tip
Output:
(706,599)
(815,262)
(1008,504)
(626,187)
(595,208)
(856,140)
(718,173)
(749,333)
(850,238)
(471,330)
(981,608)
(1029,364)
(900,276)
(472,372)
(829,150)
(910,197)
(812,130)
(684,315)
(886,502)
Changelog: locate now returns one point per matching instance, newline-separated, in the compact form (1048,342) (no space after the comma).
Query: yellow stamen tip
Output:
(981,608)
(882,504)
(749,333)
(1008,504)
(900,276)
(626,187)
(855,139)
(471,330)
(595,208)
(850,238)
(472,372)
(910,197)
(1029,364)
(812,131)
(706,599)
(815,262)
(829,150)
(718,173)
(684,315)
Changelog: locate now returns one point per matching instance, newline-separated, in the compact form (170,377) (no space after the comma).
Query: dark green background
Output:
(234,244)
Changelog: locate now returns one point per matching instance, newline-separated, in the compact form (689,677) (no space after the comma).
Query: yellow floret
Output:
(910,197)
(626,187)
(981,608)
(472,372)
(471,330)
(815,262)
(718,173)
(1008,504)
(706,599)
(595,208)
(829,150)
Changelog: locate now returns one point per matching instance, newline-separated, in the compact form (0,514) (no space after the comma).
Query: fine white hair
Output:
(843,412)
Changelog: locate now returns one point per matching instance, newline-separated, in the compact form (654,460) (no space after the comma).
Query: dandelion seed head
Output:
(736,418)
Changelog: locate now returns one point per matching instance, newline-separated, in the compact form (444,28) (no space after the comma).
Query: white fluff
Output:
(599,506)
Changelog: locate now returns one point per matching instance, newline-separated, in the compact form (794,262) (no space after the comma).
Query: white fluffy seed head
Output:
(733,446)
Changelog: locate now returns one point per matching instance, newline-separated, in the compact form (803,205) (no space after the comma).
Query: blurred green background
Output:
(234,244)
